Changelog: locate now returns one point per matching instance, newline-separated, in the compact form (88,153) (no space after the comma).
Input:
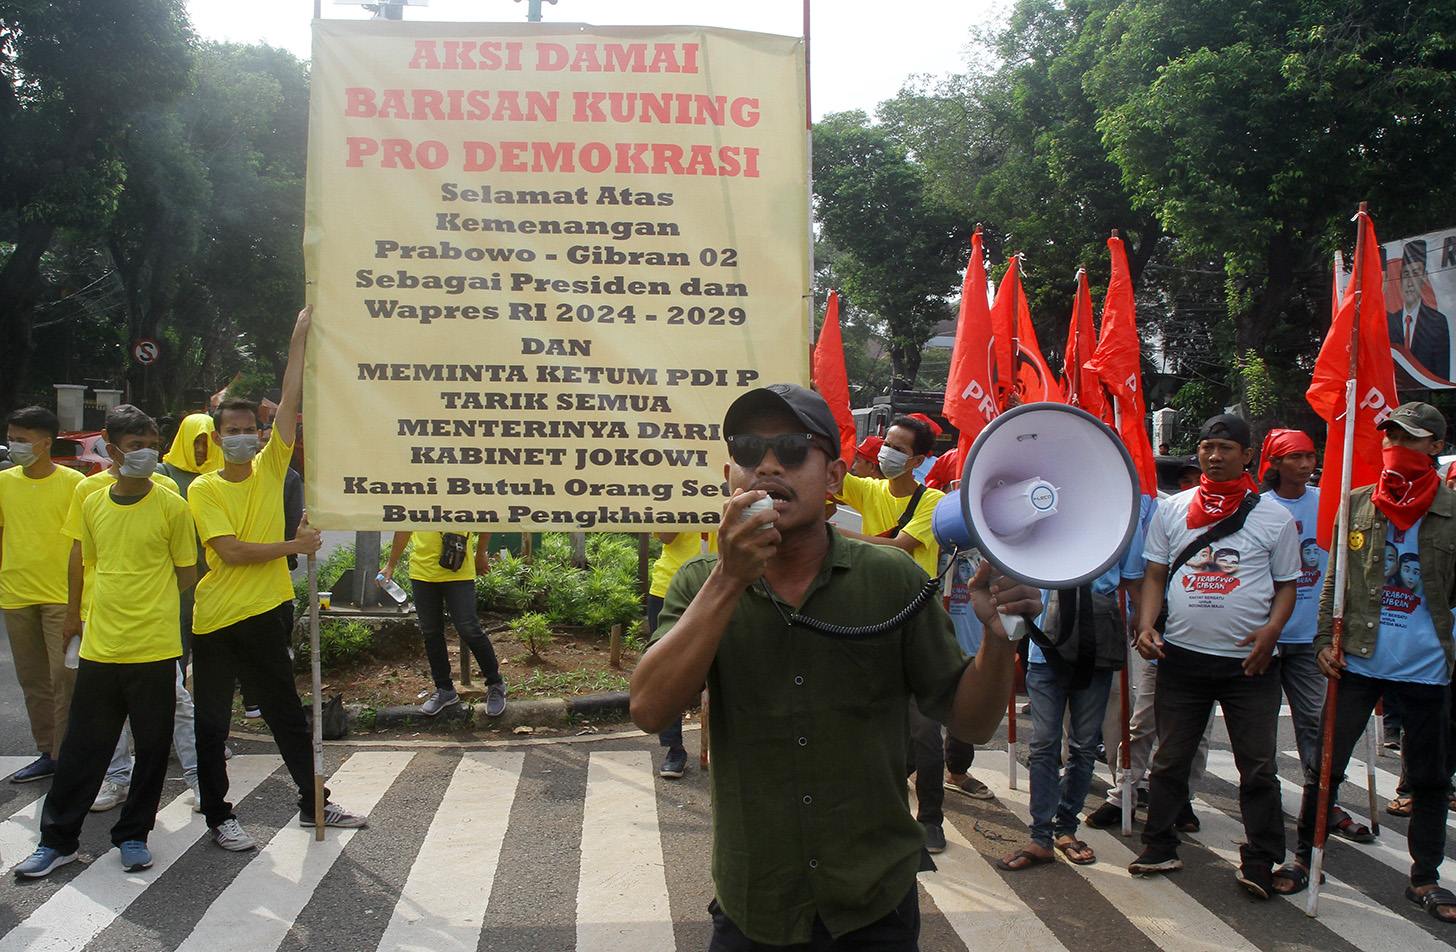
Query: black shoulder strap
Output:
(1224,527)
(909,512)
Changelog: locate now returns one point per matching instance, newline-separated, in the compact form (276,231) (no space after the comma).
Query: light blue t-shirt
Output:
(1407,648)
(1313,561)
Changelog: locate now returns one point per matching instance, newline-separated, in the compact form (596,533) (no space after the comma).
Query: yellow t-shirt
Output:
(36,556)
(134,548)
(250,511)
(881,511)
(425,559)
(72,526)
(687,545)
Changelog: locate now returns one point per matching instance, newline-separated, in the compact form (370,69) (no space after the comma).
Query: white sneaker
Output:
(334,815)
(110,796)
(230,835)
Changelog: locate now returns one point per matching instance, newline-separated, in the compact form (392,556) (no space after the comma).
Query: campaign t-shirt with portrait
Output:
(1407,648)
(1224,592)
(881,509)
(1313,561)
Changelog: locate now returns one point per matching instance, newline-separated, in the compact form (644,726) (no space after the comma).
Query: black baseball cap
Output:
(808,408)
(1226,426)
(1417,419)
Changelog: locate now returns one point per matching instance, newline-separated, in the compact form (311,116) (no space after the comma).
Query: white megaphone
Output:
(1048,494)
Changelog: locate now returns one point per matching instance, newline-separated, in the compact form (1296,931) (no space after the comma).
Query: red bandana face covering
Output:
(1213,501)
(1406,487)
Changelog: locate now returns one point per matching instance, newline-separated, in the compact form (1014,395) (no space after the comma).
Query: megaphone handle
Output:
(1016,626)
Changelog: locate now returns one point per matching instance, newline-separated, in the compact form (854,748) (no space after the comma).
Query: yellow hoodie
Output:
(182,455)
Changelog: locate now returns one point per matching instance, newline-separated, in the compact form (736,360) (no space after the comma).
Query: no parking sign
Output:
(146,352)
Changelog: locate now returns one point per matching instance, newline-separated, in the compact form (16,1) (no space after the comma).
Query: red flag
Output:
(970,391)
(1016,345)
(1118,363)
(1375,393)
(1081,385)
(831,379)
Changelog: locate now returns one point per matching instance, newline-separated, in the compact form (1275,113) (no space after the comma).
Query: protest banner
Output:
(1420,299)
(544,260)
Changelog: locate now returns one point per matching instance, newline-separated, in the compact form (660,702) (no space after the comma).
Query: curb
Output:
(531,712)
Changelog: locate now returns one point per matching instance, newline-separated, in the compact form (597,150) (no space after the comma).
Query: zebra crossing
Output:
(579,846)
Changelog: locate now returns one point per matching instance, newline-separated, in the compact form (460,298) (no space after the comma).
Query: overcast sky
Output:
(860,53)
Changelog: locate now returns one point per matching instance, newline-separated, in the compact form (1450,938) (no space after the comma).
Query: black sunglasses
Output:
(790,449)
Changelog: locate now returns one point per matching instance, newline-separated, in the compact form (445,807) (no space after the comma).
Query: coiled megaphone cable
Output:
(917,604)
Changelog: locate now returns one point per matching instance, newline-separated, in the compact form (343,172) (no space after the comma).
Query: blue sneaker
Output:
(41,862)
(42,767)
(134,855)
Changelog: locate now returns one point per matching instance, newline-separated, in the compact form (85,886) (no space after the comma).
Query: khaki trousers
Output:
(39,650)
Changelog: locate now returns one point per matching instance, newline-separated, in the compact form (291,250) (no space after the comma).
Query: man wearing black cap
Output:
(813,840)
(1218,645)
(1423,330)
(1396,639)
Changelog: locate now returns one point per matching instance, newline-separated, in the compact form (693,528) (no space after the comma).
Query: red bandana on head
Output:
(1406,486)
(1213,501)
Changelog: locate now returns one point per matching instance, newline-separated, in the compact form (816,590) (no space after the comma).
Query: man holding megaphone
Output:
(813,840)
(1224,620)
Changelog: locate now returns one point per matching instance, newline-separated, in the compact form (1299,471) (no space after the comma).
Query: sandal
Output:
(1433,900)
(1298,876)
(1343,825)
(1023,859)
(1400,806)
(1077,852)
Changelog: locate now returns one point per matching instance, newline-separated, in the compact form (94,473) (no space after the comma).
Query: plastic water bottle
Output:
(73,652)
(392,587)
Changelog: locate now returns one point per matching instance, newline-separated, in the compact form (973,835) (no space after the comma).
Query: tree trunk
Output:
(19,286)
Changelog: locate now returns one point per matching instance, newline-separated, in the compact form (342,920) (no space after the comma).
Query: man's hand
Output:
(1005,596)
(1329,663)
(308,540)
(303,322)
(745,546)
(1149,643)
(1263,638)
(71,626)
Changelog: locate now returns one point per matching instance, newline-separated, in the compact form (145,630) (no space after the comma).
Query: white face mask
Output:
(139,464)
(240,447)
(893,462)
(22,453)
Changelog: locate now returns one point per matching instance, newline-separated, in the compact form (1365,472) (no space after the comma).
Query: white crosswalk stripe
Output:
(438,909)
(458,878)
(255,912)
(89,903)
(8,765)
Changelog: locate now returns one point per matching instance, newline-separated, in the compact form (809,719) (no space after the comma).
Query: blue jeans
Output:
(1304,688)
(431,600)
(1057,796)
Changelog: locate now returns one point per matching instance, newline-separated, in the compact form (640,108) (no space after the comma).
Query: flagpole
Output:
(809,163)
(1342,557)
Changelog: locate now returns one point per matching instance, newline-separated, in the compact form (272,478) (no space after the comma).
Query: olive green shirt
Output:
(810,816)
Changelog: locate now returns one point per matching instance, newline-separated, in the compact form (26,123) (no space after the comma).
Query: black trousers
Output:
(1425,722)
(431,601)
(105,696)
(897,931)
(1189,683)
(254,652)
(926,756)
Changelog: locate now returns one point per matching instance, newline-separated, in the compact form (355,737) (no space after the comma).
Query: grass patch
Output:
(542,684)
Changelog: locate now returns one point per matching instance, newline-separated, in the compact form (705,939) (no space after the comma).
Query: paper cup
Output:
(324,600)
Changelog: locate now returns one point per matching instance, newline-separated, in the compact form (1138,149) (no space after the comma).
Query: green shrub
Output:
(600,596)
(532,630)
(340,643)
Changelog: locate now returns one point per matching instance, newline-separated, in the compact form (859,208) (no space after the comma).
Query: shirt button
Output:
(808,799)
(803,742)
(799,680)
(813,864)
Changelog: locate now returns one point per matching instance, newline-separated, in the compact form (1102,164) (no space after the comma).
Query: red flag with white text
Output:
(1029,377)
(1375,394)
(1118,364)
(1082,387)
(831,379)
(970,391)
